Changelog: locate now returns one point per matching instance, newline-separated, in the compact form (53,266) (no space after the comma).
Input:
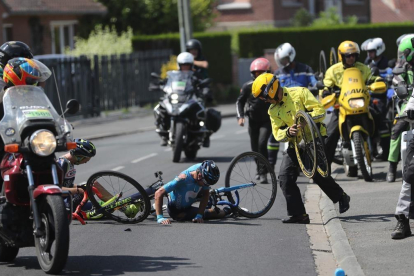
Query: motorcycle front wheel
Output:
(52,247)
(362,155)
(178,141)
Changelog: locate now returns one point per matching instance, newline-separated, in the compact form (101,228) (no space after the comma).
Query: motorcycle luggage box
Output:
(213,120)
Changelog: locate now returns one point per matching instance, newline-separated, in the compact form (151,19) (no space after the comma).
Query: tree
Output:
(302,18)
(331,17)
(148,16)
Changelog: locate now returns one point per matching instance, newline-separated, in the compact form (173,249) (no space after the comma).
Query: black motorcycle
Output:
(181,118)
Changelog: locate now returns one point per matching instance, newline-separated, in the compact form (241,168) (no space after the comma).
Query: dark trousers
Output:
(272,149)
(408,174)
(259,132)
(288,176)
(333,136)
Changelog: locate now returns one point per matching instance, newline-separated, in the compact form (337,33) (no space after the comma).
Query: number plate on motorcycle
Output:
(178,85)
(39,113)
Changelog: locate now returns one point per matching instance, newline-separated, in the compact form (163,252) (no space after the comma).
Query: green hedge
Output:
(216,48)
(309,41)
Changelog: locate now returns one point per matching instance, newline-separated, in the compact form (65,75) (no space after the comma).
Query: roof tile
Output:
(54,6)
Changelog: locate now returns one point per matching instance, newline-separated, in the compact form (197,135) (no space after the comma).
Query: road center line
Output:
(216,137)
(144,157)
(118,168)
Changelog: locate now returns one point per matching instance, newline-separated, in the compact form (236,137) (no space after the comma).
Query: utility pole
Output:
(184,22)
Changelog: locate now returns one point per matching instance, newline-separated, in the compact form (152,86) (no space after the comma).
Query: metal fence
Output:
(105,83)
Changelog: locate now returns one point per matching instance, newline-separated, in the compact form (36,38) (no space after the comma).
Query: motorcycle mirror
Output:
(401,91)
(72,107)
(378,87)
(374,71)
(392,62)
(398,70)
(155,75)
(320,85)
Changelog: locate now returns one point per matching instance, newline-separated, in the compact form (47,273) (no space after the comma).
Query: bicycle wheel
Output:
(332,57)
(321,159)
(322,62)
(123,198)
(257,200)
(305,145)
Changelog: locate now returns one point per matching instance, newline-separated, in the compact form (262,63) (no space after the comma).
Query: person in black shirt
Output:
(259,121)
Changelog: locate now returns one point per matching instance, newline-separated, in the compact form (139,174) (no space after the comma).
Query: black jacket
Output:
(256,108)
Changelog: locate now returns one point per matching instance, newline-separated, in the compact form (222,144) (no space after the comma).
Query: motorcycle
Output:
(355,121)
(32,208)
(181,117)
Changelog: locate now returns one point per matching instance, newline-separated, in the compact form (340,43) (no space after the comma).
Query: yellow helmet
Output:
(348,48)
(265,85)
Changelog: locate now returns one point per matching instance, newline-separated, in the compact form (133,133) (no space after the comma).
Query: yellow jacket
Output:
(282,114)
(334,74)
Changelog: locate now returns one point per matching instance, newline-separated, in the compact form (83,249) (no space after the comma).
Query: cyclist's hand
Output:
(162,220)
(81,186)
(293,130)
(198,219)
(325,93)
(240,121)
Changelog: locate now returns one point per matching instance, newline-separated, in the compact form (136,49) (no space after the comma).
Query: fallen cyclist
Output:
(184,190)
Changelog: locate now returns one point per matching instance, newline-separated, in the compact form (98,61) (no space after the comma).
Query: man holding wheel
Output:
(285,103)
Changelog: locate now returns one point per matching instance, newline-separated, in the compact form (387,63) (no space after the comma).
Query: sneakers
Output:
(257,177)
(263,179)
(300,219)
(164,142)
(402,229)
(344,203)
(132,210)
(392,172)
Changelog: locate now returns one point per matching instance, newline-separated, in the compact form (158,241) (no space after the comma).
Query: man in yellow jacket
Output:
(348,53)
(285,103)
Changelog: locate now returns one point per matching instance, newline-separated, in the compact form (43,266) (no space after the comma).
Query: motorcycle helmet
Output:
(284,55)
(407,48)
(14,49)
(194,44)
(261,65)
(348,48)
(84,148)
(185,58)
(401,37)
(210,172)
(266,85)
(374,44)
(24,71)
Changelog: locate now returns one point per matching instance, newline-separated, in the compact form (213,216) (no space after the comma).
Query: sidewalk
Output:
(360,239)
(118,123)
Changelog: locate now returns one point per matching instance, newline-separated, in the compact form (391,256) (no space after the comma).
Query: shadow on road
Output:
(368,218)
(217,159)
(110,265)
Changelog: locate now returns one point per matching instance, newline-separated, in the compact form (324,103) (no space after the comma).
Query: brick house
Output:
(392,11)
(249,13)
(47,26)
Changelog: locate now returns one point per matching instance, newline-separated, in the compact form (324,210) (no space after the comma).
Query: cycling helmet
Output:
(84,148)
(284,55)
(185,58)
(22,71)
(347,48)
(374,44)
(193,44)
(266,85)
(210,172)
(407,48)
(259,64)
(14,49)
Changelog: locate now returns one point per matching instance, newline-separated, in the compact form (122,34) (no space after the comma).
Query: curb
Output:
(341,248)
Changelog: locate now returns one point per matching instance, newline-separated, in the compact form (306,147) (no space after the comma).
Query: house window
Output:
(234,5)
(292,3)
(7,32)
(62,33)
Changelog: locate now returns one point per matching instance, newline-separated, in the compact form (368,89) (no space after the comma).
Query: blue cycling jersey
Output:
(183,192)
(302,75)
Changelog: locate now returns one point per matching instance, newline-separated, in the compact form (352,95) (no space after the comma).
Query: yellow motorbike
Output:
(356,124)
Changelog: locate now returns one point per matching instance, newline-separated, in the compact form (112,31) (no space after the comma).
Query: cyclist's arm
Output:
(201,63)
(328,81)
(313,106)
(202,206)
(159,196)
(73,190)
(279,129)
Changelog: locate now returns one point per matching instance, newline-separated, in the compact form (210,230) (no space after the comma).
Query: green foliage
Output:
(331,18)
(225,93)
(148,16)
(216,49)
(302,18)
(309,41)
(103,41)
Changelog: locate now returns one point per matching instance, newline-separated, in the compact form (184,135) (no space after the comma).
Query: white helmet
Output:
(185,58)
(374,44)
(284,51)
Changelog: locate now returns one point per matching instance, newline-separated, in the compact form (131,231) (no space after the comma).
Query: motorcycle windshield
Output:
(24,106)
(179,82)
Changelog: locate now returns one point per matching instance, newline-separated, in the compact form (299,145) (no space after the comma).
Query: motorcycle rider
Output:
(348,53)
(10,50)
(182,192)
(405,206)
(404,80)
(375,48)
(285,103)
(260,128)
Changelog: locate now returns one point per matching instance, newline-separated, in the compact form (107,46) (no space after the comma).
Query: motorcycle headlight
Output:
(43,142)
(174,96)
(356,103)
(174,101)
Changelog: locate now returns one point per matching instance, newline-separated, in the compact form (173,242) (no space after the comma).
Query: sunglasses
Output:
(351,55)
(79,158)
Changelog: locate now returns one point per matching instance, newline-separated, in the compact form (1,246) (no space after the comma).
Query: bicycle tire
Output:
(321,158)
(118,215)
(243,169)
(333,59)
(322,62)
(305,147)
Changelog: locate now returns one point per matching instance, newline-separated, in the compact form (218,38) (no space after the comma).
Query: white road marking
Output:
(168,149)
(241,131)
(118,168)
(216,137)
(143,158)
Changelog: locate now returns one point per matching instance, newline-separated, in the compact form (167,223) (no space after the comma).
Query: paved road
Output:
(261,246)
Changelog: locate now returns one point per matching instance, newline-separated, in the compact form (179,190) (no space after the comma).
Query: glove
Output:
(410,114)
(326,93)
(197,217)
(83,187)
(160,219)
